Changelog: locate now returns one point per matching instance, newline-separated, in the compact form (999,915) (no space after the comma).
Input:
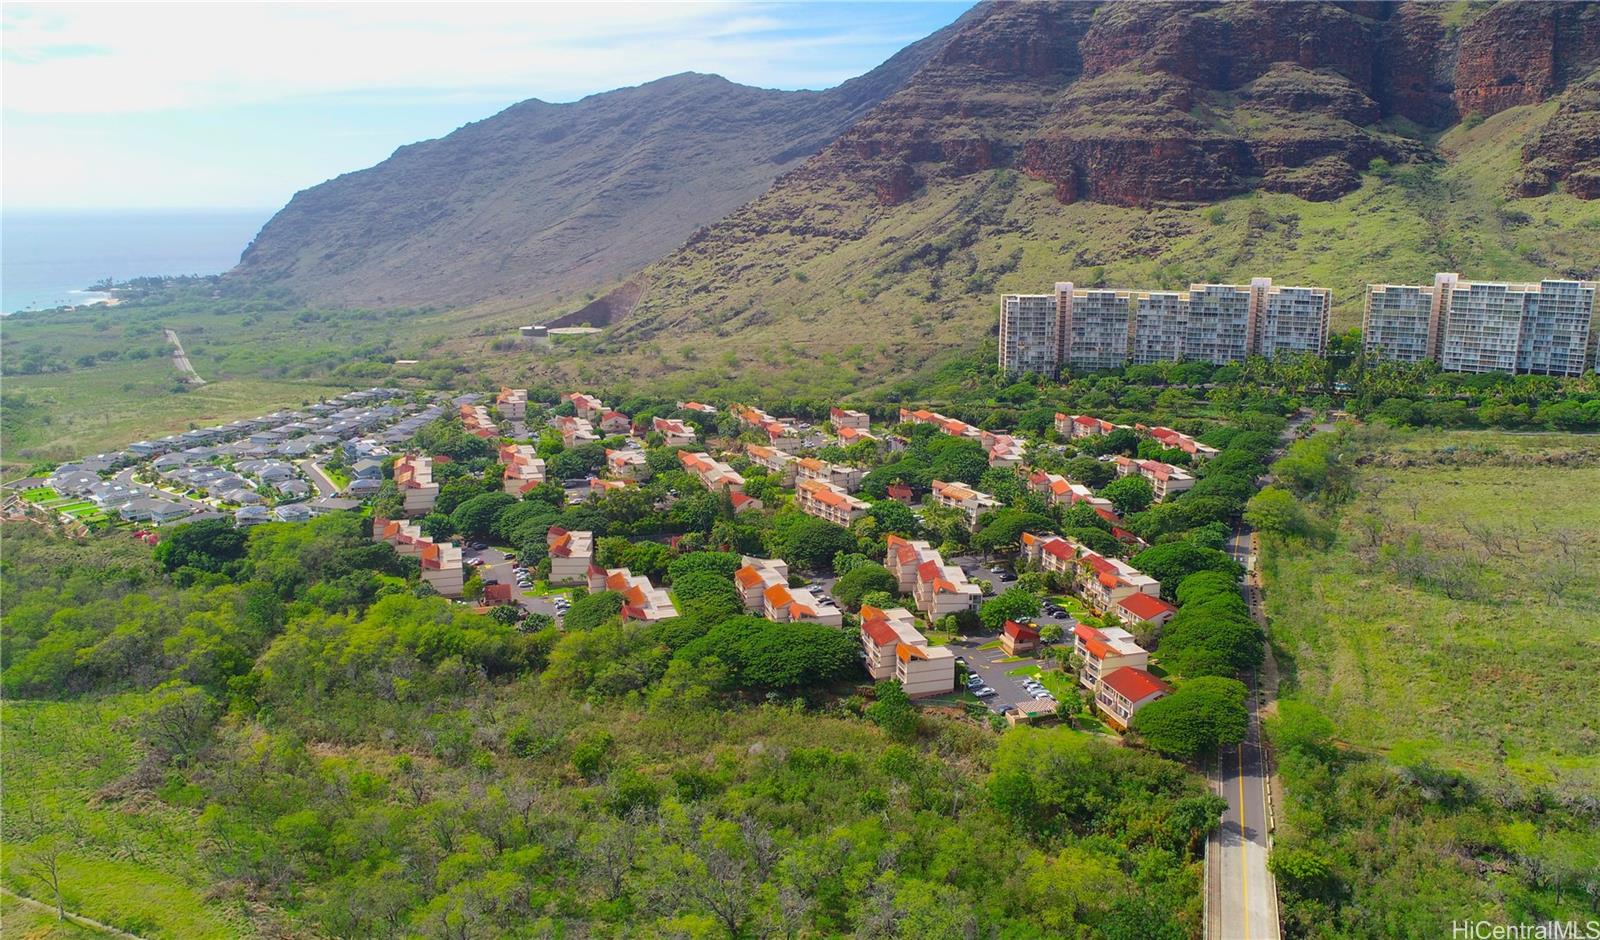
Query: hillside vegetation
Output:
(1438,628)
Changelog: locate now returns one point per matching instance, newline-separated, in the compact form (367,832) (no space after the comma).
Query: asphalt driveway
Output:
(986,664)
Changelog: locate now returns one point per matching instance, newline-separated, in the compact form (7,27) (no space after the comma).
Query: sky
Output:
(154,105)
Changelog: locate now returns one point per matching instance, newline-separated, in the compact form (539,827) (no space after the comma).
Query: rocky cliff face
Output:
(1143,103)
(1567,149)
(545,198)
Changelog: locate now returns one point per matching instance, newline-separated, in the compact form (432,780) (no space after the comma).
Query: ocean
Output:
(48,258)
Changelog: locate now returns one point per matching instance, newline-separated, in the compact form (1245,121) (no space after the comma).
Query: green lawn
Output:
(27,923)
(40,494)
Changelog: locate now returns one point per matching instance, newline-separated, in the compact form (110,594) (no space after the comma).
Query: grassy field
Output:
(21,922)
(1456,619)
(86,411)
(133,864)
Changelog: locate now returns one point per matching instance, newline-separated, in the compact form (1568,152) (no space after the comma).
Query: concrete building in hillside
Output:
(1484,326)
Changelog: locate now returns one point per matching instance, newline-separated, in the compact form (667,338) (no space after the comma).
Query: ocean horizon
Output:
(51,257)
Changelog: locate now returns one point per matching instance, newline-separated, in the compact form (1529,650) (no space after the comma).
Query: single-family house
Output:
(1019,638)
(291,512)
(367,469)
(363,488)
(246,516)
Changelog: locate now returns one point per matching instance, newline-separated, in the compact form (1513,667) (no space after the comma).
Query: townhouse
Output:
(413,476)
(837,475)
(845,418)
(713,474)
(641,600)
(1165,479)
(784,604)
(781,465)
(826,501)
(1124,691)
(781,434)
(967,500)
(1060,491)
(1104,651)
(893,649)
(948,425)
(512,403)
(848,436)
(524,470)
(943,589)
(1103,582)
(1005,451)
(626,464)
(674,431)
(755,576)
(571,554)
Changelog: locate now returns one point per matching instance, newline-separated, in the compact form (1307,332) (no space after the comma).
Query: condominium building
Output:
(894,649)
(1105,650)
(571,554)
(674,431)
(1219,326)
(1165,479)
(1481,326)
(1030,333)
(755,576)
(920,571)
(845,478)
(625,464)
(1104,328)
(963,497)
(441,567)
(641,600)
(784,604)
(714,475)
(826,501)
(845,418)
(413,475)
(1123,691)
(588,407)
(512,403)
(476,420)
(615,422)
(575,431)
(774,461)
(1293,321)
(523,469)
(1096,327)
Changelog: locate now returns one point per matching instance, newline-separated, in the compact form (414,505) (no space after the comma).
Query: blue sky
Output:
(240,105)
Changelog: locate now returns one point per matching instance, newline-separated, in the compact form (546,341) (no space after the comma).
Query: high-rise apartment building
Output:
(1101,328)
(1484,326)
(1292,320)
(1096,330)
(1030,333)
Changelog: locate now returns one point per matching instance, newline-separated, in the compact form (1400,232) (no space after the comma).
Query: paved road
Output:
(181,360)
(319,478)
(1243,900)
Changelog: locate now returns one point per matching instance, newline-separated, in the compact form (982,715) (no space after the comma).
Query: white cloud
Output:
(131,58)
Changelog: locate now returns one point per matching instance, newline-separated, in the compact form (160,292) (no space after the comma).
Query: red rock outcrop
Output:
(1567,148)
(1522,53)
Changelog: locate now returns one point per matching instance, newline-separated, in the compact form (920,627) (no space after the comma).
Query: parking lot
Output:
(497,568)
(987,665)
